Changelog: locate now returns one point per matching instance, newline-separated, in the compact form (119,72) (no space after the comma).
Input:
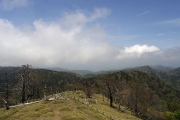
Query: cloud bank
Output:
(76,41)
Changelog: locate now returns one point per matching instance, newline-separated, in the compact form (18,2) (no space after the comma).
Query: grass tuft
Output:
(65,109)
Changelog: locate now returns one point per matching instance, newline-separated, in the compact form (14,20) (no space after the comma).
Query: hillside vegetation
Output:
(171,76)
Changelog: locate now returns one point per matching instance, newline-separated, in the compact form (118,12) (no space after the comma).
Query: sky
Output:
(90,34)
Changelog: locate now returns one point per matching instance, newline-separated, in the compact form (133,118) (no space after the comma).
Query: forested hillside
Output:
(148,93)
(172,76)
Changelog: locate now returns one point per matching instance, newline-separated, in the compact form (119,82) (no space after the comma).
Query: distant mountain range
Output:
(149,69)
(162,68)
(168,74)
(88,72)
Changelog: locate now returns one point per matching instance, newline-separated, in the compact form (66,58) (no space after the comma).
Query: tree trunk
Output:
(33,93)
(38,94)
(7,93)
(23,92)
(119,108)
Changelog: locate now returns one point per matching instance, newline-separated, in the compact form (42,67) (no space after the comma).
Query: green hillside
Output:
(71,108)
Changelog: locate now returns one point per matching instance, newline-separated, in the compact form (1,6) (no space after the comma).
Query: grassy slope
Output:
(70,109)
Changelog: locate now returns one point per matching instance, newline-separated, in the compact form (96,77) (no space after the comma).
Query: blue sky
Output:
(90,34)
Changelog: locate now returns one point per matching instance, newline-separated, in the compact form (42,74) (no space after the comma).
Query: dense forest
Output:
(148,93)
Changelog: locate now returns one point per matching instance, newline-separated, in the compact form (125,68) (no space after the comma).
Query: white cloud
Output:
(146,12)
(11,4)
(136,51)
(140,49)
(52,43)
(170,22)
(79,19)
(99,13)
(72,44)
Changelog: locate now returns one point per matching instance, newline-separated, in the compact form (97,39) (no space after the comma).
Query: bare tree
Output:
(29,80)
(6,100)
(139,97)
(35,79)
(110,83)
(87,85)
(24,77)
(121,93)
(7,92)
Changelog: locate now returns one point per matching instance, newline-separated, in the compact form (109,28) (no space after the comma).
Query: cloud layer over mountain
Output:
(76,41)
